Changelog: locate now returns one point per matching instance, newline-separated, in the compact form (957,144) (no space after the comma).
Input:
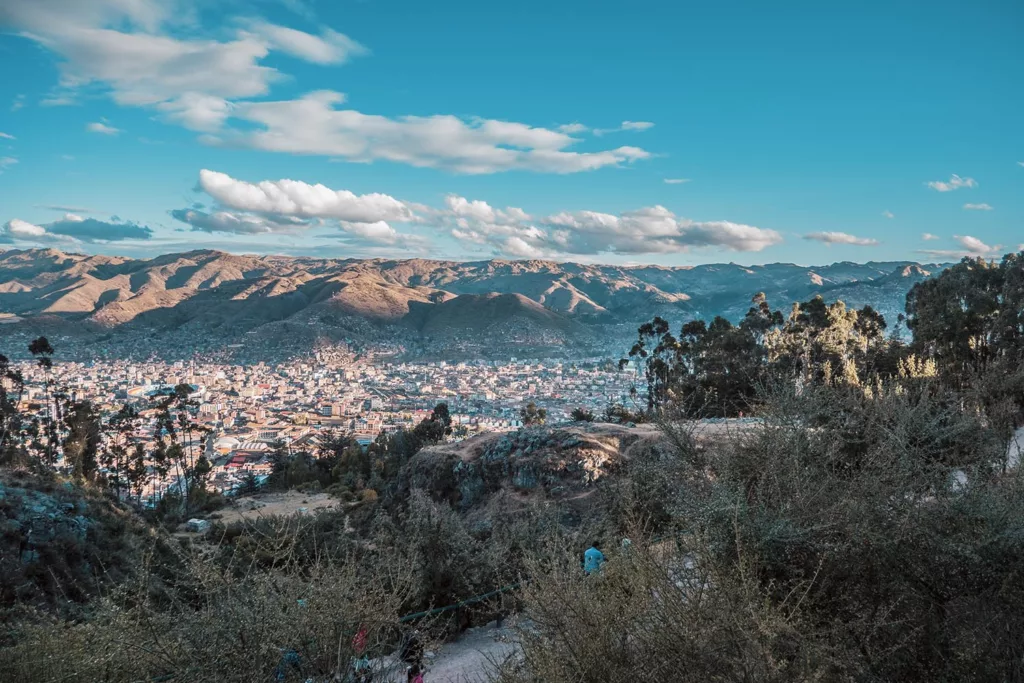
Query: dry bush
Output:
(653,614)
(217,624)
(861,536)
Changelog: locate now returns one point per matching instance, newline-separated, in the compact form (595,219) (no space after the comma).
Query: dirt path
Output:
(278,503)
(1016,449)
(470,659)
(473,657)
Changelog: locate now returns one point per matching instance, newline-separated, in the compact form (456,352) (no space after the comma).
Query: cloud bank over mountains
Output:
(289,205)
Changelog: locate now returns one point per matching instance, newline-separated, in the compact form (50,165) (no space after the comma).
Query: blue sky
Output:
(671,133)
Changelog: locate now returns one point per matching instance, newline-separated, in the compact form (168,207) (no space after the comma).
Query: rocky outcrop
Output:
(61,544)
(553,462)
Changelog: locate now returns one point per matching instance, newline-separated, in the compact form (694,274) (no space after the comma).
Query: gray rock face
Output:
(551,461)
(37,519)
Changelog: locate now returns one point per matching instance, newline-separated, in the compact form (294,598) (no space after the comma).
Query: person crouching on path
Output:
(593,558)
(412,654)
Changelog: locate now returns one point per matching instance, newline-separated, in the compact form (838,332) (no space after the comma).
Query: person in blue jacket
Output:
(593,558)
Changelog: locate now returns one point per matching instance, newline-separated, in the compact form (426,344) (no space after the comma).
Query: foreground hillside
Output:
(220,297)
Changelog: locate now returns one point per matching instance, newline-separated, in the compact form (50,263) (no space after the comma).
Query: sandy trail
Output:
(1016,449)
(275,504)
(470,659)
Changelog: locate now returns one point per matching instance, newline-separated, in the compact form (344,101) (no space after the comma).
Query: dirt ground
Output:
(471,658)
(278,503)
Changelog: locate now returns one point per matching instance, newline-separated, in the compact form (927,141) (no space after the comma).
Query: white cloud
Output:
(329,48)
(651,230)
(197,111)
(296,198)
(17,230)
(312,125)
(102,128)
(888,214)
(841,238)
(73,229)
(124,45)
(625,126)
(974,245)
(1020,163)
(572,128)
(19,100)
(927,237)
(284,205)
(201,83)
(6,136)
(240,224)
(7,162)
(59,99)
(676,181)
(378,232)
(969,246)
(955,183)
(977,207)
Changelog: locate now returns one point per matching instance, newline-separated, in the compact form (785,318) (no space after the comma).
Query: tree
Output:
(12,387)
(41,349)
(582,415)
(117,455)
(250,484)
(81,445)
(435,428)
(530,414)
(969,320)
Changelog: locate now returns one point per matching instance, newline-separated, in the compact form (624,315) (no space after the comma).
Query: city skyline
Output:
(599,133)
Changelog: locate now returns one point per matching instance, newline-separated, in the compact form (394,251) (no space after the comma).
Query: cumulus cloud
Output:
(676,181)
(841,238)
(927,236)
(239,224)
(19,231)
(7,136)
(974,245)
(280,206)
(7,162)
(650,230)
(73,229)
(888,214)
(955,182)
(969,246)
(296,198)
(314,125)
(102,128)
(330,47)
(977,207)
(572,128)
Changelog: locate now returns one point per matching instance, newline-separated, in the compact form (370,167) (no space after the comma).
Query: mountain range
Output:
(211,297)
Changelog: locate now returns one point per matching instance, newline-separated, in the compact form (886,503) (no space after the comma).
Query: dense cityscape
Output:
(246,410)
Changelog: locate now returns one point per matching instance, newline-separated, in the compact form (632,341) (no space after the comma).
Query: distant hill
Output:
(218,297)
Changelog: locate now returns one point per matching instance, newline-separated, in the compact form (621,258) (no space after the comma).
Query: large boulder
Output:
(553,462)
